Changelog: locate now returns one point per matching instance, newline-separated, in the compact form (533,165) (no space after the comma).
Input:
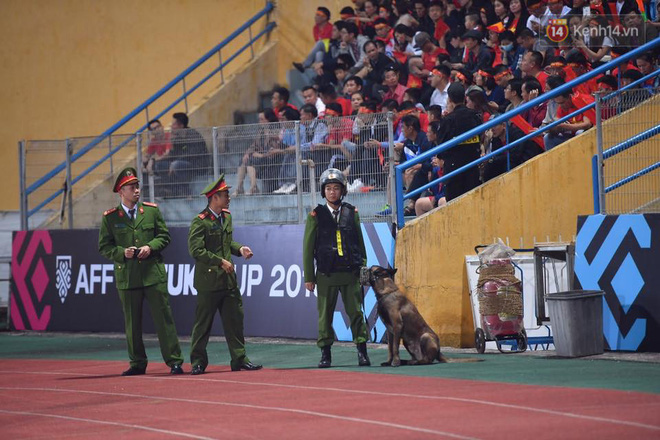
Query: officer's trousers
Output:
(328,287)
(132,301)
(230,306)
(467,180)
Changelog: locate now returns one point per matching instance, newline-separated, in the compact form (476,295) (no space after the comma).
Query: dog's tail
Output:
(443,359)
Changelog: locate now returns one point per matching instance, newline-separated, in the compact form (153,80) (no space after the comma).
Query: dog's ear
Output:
(392,271)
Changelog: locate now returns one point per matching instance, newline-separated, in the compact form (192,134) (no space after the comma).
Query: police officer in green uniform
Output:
(211,244)
(333,238)
(133,235)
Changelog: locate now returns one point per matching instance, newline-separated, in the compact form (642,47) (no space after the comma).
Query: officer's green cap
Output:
(127,176)
(218,185)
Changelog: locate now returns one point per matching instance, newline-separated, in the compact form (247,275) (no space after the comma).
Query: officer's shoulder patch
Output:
(153,205)
(110,211)
(226,210)
(203,215)
(313,213)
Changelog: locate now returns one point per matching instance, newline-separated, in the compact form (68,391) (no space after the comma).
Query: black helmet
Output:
(333,175)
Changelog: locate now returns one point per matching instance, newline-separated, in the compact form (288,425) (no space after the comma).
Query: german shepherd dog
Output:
(403,321)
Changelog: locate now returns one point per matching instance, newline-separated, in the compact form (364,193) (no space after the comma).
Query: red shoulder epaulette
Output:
(226,210)
(356,210)
(203,215)
(153,205)
(110,211)
(313,213)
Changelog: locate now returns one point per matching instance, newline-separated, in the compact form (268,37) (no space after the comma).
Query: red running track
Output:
(87,399)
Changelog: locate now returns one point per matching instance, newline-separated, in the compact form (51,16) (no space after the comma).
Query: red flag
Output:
(401,57)
(526,128)
(414,82)
(441,29)
(581,100)
(497,27)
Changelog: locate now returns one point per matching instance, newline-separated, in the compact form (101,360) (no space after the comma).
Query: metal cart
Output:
(500,300)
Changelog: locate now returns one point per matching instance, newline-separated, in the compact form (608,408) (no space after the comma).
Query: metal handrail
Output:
(536,133)
(114,150)
(619,148)
(632,177)
(623,146)
(144,106)
(504,118)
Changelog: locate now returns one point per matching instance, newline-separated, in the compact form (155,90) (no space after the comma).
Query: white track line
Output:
(390,395)
(244,405)
(104,422)
(455,399)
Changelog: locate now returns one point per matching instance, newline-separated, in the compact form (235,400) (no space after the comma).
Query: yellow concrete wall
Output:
(93,194)
(535,202)
(239,93)
(75,67)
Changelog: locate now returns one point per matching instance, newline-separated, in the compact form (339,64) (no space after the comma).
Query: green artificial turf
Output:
(510,368)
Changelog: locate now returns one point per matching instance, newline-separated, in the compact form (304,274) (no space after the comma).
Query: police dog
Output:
(403,321)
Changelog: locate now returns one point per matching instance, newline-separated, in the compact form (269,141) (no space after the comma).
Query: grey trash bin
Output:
(576,317)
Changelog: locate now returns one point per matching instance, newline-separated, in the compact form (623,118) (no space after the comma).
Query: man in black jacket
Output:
(189,157)
(459,121)
(374,68)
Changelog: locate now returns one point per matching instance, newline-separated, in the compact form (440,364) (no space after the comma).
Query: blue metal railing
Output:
(504,118)
(145,106)
(632,177)
(619,148)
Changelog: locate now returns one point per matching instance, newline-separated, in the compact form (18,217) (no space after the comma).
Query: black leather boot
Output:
(326,357)
(363,358)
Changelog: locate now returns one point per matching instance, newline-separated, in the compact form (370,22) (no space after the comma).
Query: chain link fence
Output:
(630,181)
(77,192)
(273,169)
(45,202)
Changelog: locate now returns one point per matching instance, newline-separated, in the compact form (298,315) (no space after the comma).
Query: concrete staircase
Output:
(265,208)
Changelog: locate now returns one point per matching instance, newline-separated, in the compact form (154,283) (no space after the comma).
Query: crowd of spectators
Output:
(441,67)
(504,53)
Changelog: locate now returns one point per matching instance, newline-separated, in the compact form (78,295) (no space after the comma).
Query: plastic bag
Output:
(496,251)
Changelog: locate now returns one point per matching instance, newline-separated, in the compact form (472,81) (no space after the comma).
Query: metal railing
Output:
(273,169)
(617,164)
(28,189)
(504,119)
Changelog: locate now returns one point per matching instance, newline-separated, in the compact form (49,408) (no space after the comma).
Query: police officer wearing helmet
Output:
(333,238)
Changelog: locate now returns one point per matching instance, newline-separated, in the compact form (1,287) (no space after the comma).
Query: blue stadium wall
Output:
(620,255)
(61,283)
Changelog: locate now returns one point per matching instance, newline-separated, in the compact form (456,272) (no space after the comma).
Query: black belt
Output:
(342,269)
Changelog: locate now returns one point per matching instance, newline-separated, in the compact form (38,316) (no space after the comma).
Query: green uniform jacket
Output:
(118,232)
(209,242)
(309,245)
